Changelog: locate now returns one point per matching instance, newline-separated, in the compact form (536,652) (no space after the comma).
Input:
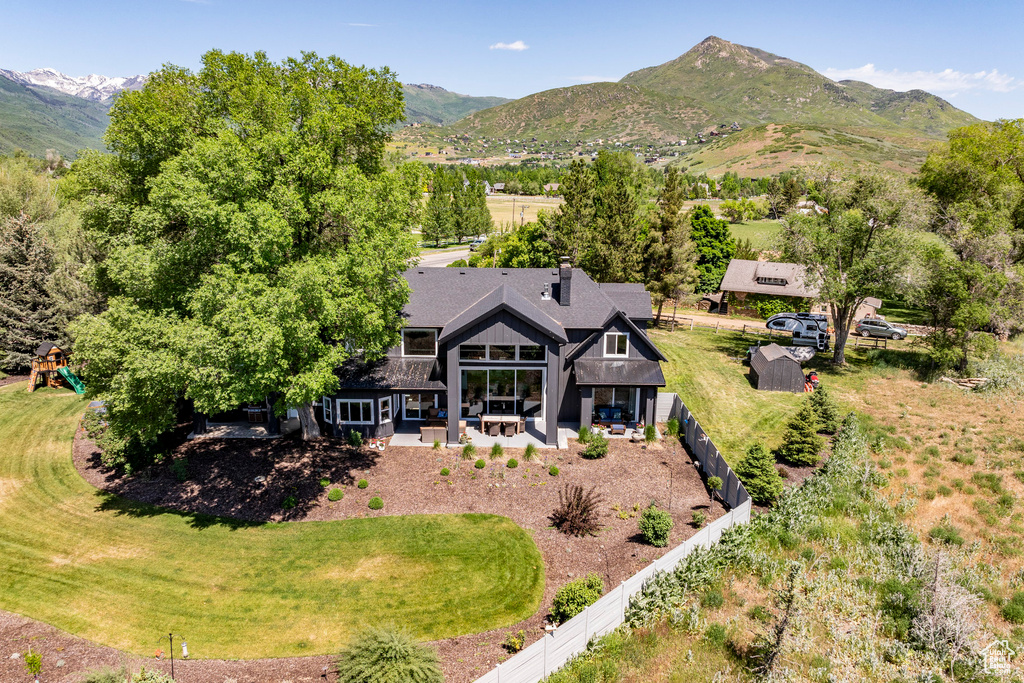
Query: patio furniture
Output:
(462,426)
(499,420)
(494,430)
(618,428)
(511,428)
(637,436)
(432,434)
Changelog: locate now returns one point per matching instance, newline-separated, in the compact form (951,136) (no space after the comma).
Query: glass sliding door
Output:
(615,404)
(530,393)
(474,392)
(503,391)
(417,406)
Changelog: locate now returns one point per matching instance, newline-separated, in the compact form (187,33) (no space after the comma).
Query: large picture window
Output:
(614,404)
(503,391)
(419,342)
(616,344)
(355,412)
(417,406)
(530,353)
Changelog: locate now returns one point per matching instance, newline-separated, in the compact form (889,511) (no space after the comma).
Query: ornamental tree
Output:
(801,444)
(251,239)
(760,478)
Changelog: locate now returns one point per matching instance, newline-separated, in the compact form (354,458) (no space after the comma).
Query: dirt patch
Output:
(222,480)
(7,489)
(12,379)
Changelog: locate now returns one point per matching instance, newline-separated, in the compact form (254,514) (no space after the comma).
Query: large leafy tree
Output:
(439,214)
(669,259)
(251,239)
(861,247)
(714,246)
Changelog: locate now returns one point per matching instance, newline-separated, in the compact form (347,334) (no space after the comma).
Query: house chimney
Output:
(564,282)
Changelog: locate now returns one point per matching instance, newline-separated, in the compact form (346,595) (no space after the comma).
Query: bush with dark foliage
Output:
(576,514)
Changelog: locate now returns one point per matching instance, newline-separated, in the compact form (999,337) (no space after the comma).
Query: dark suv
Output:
(870,327)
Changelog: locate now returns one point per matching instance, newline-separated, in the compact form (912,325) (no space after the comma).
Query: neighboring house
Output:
(498,187)
(551,188)
(548,345)
(487,188)
(744,277)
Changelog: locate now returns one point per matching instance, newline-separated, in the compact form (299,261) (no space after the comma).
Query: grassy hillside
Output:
(36,119)
(594,110)
(914,109)
(431,104)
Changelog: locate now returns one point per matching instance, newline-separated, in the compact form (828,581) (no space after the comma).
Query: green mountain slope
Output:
(431,104)
(752,86)
(591,111)
(36,119)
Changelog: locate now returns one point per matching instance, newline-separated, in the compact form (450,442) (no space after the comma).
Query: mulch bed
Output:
(12,379)
(222,481)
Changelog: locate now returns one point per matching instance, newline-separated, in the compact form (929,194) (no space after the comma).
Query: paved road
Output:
(443,258)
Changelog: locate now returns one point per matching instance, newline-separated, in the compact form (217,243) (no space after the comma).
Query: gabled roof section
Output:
(45,348)
(619,372)
(766,277)
(631,298)
(504,298)
(640,334)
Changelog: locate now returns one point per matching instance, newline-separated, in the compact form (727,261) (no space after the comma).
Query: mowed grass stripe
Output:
(122,573)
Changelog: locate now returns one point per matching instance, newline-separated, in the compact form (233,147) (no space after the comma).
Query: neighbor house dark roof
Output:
(752,276)
(439,295)
(406,374)
(631,372)
(503,298)
(873,302)
(45,348)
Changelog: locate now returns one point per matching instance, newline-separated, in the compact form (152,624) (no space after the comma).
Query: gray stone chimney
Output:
(564,282)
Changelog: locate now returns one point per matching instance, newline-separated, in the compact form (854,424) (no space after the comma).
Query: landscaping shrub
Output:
(387,656)
(650,433)
(334,495)
(33,663)
(576,514)
(801,444)
(437,444)
(655,526)
(355,438)
(585,434)
(826,409)
(289,502)
(496,451)
(375,503)
(363,483)
(672,427)
(144,676)
(512,463)
(573,597)
(324,483)
(480,464)
(445,471)
(946,533)
(1013,610)
(514,641)
(553,471)
(468,451)
(596,448)
(715,485)
(104,675)
(530,453)
(179,468)
(757,472)
(699,518)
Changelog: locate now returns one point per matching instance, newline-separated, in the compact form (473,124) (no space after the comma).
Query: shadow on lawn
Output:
(220,484)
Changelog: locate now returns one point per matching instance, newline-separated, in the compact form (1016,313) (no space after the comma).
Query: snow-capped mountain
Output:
(92,87)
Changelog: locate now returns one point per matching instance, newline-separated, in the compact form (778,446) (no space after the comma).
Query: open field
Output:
(762,234)
(122,573)
(525,208)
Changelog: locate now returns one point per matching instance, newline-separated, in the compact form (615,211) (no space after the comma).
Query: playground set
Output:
(52,363)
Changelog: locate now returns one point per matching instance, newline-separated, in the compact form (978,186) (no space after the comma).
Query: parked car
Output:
(872,327)
(475,244)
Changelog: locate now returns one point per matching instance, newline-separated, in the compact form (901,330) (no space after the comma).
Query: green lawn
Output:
(760,233)
(122,574)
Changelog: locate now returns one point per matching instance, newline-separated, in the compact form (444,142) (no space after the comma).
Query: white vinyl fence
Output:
(552,651)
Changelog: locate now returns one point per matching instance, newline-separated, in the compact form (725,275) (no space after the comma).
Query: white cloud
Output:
(517,46)
(948,81)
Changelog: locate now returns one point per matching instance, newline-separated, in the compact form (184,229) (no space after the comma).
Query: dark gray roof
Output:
(773,352)
(630,372)
(45,347)
(439,295)
(406,374)
(631,298)
(503,298)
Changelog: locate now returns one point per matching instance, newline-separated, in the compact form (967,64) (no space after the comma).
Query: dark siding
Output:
(637,347)
(569,410)
(501,328)
(586,405)
(780,374)
(376,429)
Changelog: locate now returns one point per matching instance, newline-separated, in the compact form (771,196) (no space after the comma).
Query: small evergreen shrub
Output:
(324,483)
(468,451)
(363,483)
(144,676)
(826,409)
(530,453)
(672,427)
(496,451)
(445,471)
(480,464)
(105,675)
(355,438)
(1013,610)
(597,447)
(179,468)
(576,514)
(33,663)
(553,471)
(375,503)
(334,495)
(699,518)
(655,526)
(585,434)
(289,502)
(383,655)
(512,463)
(650,434)
(573,597)
(801,444)
(715,484)
(757,472)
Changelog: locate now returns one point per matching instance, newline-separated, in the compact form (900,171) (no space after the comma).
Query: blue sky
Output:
(965,52)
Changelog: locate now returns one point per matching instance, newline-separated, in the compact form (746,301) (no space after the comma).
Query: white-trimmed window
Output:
(384,406)
(328,413)
(419,342)
(616,344)
(355,412)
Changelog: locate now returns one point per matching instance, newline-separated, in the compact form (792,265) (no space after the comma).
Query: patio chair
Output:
(494,429)
(511,429)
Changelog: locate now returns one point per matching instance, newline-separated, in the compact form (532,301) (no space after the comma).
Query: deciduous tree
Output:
(714,246)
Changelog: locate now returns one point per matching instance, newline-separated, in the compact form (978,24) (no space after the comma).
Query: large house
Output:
(538,345)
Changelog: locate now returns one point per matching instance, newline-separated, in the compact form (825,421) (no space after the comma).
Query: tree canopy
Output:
(251,239)
(714,245)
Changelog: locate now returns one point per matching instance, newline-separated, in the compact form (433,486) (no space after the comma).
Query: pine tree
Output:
(757,472)
(669,260)
(801,444)
(715,247)
(27,312)
(438,216)
(826,409)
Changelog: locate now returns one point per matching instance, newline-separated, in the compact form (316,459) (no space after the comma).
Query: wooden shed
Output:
(775,369)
